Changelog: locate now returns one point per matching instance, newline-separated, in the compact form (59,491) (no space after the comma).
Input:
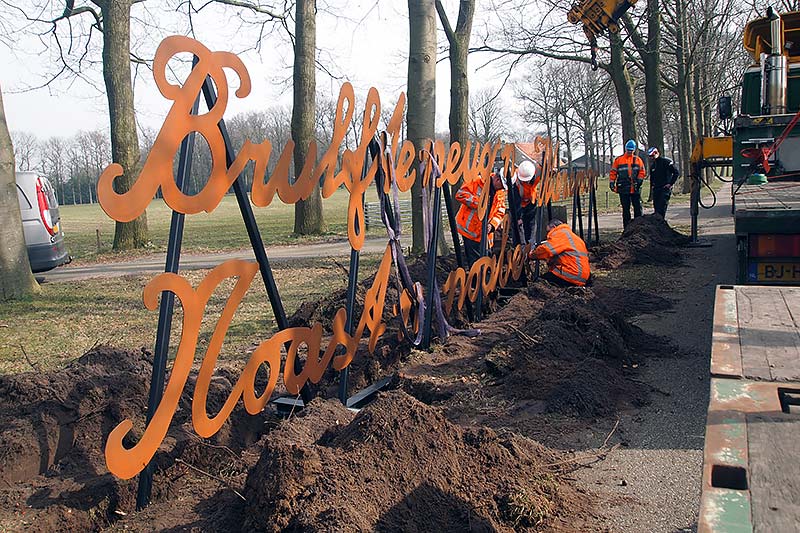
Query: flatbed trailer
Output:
(751,466)
(767,226)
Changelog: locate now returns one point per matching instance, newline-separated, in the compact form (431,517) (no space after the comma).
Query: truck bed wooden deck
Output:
(777,196)
(751,470)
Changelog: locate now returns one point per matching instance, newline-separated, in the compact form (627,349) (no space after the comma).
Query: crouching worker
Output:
(566,255)
(468,223)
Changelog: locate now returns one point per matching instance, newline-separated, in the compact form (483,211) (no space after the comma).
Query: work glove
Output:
(639,185)
(613,186)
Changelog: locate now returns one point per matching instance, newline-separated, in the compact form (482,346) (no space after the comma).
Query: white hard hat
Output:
(526,171)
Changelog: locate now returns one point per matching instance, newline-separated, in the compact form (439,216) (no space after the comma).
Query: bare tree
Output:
(16,279)
(487,118)
(26,148)
(53,164)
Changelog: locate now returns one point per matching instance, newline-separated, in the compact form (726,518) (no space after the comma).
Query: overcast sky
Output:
(368,47)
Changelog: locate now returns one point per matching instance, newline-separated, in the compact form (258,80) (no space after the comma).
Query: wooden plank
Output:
(726,354)
(768,335)
(753,340)
(774,471)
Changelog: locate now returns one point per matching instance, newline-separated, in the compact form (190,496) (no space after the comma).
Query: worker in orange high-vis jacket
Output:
(566,255)
(468,223)
(626,177)
(527,180)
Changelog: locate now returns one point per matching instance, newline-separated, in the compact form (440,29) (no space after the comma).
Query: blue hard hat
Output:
(630,146)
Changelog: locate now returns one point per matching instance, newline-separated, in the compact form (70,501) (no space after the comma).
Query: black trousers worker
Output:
(627,200)
(661,201)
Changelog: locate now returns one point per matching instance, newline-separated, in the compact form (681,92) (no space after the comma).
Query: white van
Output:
(41,222)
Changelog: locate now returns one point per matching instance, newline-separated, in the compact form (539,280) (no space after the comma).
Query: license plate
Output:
(777,272)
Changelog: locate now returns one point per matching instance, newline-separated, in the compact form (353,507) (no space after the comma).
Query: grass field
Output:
(66,319)
(220,230)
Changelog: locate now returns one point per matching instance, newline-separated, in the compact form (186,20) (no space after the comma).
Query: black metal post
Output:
(589,218)
(352,286)
(484,245)
(538,237)
(594,213)
(451,218)
(166,307)
(694,202)
(574,211)
(580,214)
(253,233)
(517,233)
(431,287)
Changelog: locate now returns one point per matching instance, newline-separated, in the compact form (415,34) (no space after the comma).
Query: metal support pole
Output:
(580,215)
(352,285)
(514,204)
(253,233)
(484,241)
(589,218)
(694,208)
(166,307)
(451,218)
(431,287)
(593,212)
(574,211)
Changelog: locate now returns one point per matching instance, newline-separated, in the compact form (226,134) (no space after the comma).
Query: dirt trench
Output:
(444,450)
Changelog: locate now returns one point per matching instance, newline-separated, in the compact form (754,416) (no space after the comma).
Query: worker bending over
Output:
(468,223)
(566,255)
(626,177)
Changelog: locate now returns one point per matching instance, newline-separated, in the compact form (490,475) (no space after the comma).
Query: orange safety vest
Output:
(566,255)
(467,221)
(627,173)
(527,191)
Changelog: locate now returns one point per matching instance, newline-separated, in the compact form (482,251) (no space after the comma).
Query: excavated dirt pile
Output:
(549,352)
(53,429)
(399,465)
(648,240)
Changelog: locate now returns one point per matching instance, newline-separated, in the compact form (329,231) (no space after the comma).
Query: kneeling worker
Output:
(467,222)
(566,255)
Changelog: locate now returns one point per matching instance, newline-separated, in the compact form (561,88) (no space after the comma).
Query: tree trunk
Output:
(652,77)
(458,39)
(307,213)
(682,94)
(16,279)
(421,98)
(623,87)
(124,139)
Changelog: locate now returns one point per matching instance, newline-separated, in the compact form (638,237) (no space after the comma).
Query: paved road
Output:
(154,263)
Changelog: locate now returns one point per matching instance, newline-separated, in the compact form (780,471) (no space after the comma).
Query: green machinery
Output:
(763,150)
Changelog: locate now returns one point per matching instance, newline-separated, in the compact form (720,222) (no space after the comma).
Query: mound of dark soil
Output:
(559,351)
(572,355)
(648,240)
(53,430)
(399,465)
